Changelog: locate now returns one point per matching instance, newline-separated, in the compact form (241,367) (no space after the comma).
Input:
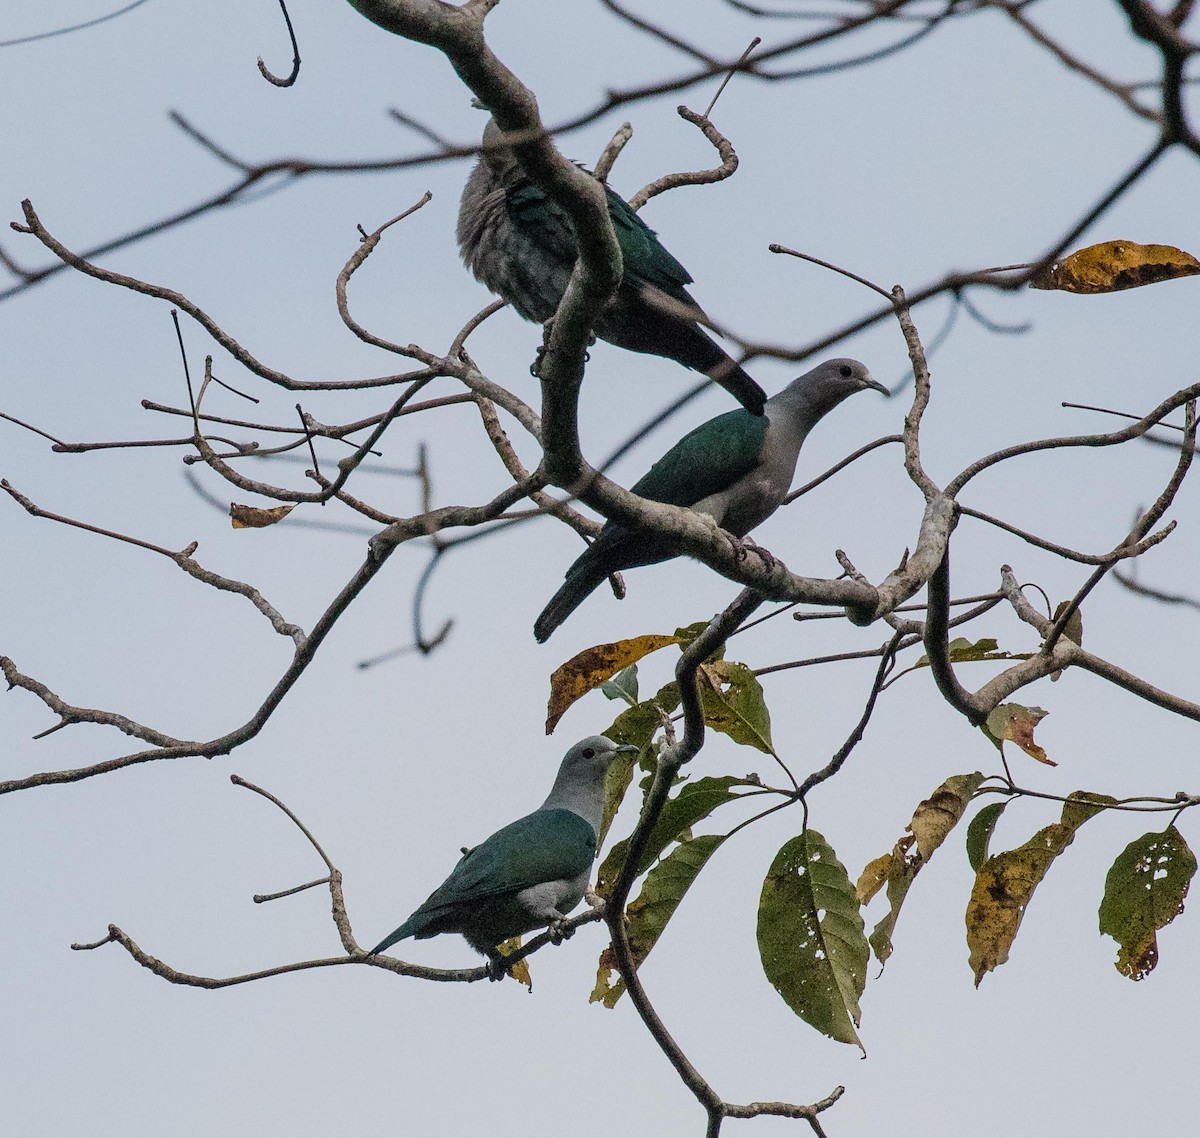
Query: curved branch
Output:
(183,558)
(1065,654)
(1113,438)
(163,970)
(291,78)
(729,163)
(73,27)
(368,242)
(669,762)
(380,549)
(1120,553)
(34,226)
(937,648)
(1140,528)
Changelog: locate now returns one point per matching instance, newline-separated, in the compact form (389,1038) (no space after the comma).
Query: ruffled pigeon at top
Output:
(521,245)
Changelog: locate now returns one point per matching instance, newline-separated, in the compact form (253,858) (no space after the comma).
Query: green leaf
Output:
(1082,805)
(689,633)
(1004,884)
(694,802)
(1144,892)
(963,651)
(902,876)
(1072,630)
(979,832)
(732,700)
(635,726)
(810,936)
(624,685)
(647,915)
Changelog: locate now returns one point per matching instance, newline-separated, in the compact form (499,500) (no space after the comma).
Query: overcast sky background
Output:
(974,148)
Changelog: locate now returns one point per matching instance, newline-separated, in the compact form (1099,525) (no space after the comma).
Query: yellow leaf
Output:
(872,878)
(1006,882)
(255,517)
(592,667)
(932,820)
(1002,890)
(607,991)
(520,970)
(1115,265)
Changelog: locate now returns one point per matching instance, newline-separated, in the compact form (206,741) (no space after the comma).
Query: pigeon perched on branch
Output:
(737,468)
(531,873)
(521,245)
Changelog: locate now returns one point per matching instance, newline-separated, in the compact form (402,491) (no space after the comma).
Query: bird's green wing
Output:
(547,845)
(541,221)
(709,459)
(644,255)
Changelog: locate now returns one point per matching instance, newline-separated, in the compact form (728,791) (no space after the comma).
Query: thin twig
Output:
(289,79)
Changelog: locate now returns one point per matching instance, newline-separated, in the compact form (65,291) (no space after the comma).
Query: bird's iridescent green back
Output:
(643,254)
(707,460)
(547,845)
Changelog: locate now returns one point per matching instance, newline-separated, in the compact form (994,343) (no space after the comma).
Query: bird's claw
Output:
(559,931)
(497,968)
(535,368)
(746,545)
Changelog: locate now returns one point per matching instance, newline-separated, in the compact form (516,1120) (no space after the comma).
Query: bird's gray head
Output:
(579,786)
(823,388)
(589,758)
(497,154)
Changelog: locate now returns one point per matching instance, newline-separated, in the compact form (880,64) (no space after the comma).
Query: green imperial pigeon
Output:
(528,875)
(737,468)
(520,244)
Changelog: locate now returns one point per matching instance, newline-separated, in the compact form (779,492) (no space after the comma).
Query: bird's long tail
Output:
(702,353)
(654,321)
(580,583)
(404,931)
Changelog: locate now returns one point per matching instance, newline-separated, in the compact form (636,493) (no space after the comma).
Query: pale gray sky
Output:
(972,149)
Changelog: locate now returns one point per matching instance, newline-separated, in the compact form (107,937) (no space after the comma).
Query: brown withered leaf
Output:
(1016,723)
(1005,883)
(592,667)
(938,814)
(1115,265)
(932,820)
(255,517)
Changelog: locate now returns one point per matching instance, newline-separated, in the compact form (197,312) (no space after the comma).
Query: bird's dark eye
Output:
(846,371)
(588,752)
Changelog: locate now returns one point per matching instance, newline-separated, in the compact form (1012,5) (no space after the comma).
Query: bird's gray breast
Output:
(505,255)
(550,896)
(755,496)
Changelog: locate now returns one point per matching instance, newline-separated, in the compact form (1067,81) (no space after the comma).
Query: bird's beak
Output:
(877,386)
(628,748)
